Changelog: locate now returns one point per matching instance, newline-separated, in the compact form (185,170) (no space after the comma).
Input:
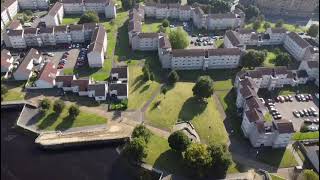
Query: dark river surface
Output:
(21,159)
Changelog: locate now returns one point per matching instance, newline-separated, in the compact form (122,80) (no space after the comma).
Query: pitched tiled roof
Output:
(14,24)
(254,115)
(66,79)
(164,42)
(82,83)
(233,37)
(121,88)
(30,30)
(60,28)
(76,27)
(32,54)
(245,31)
(148,35)
(8,3)
(97,40)
(122,71)
(5,56)
(99,89)
(284,126)
(48,73)
(135,26)
(313,64)
(48,30)
(224,51)
(188,52)
(72,1)
(55,8)
(300,41)
(12,32)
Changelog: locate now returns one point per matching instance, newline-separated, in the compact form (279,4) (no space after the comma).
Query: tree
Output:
(179,38)
(279,23)
(89,17)
(44,105)
(313,30)
(240,6)
(203,87)
(283,59)
(58,106)
(179,141)
(221,158)
(151,76)
(277,51)
(4,90)
(164,90)
(173,77)
(165,23)
(266,25)
(260,18)
(256,25)
(252,12)
(135,150)
(253,58)
(219,6)
(198,158)
(74,111)
(141,131)
(308,175)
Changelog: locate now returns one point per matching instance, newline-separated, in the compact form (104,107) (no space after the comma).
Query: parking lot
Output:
(287,108)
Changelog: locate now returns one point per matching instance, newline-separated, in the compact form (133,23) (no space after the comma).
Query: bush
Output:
(173,77)
(313,30)
(135,150)
(304,128)
(122,105)
(45,104)
(74,111)
(141,131)
(266,25)
(58,106)
(4,89)
(279,23)
(165,23)
(256,25)
(283,59)
(179,141)
(253,58)
(28,12)
(89,17)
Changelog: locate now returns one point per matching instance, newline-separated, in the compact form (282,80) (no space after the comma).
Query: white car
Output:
(50,54)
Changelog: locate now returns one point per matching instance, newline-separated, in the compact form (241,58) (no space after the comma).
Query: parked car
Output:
(282,100)
(50,54)
(315,114)
(312,109)
(307,121)
(286,98)
(277,117)
(301,113)
(296,114)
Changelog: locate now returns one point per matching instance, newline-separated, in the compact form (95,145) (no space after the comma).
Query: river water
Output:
(21,159)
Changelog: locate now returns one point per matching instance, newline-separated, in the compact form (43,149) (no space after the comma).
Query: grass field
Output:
(150,26)
(280,158)
(139,90)
(179,105)
(15,91)
(219,43)
(62,121)
(275,177)
(70,20)
(304,136)
(289,27)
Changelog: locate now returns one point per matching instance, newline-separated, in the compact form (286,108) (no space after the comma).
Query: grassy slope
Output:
(14,91)
(289,27)
(278,158)
(178,104)
(52,121)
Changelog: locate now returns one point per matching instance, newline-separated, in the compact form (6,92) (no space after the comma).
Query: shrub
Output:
(173,77)
(58,106)
(45,104)
(141,131)
(74,111)
(165,23)
(135,150)
(89,17)
(179,141)
(203,87)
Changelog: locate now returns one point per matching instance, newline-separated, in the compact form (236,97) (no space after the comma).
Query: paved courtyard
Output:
(286,109)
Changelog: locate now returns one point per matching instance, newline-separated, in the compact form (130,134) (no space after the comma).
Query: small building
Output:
(118,90)
(98,91)
(6,61)
(24,70)
(47,76)
(64,82)
(80,86)
(119,74)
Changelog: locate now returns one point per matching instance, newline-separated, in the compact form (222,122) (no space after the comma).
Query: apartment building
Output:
(77,33)
(15,39)
(97,48)
(24,70)
(47,36)
(32,38)
(33,4)
(312,69)
(296,45)
(105,7)
(64,82)
(89,28)
(164,51)
(232,40)
(4,17)
(145,42)
(254,126)
(55,15)
(47,76)
(12,8)
(98,91)
(62,35)
(277,35)
(6,61)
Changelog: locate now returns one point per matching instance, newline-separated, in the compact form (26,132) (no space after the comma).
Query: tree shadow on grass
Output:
(66,123)
(145,87)
(170,161)
(48,121)
(191,107)
(271,156)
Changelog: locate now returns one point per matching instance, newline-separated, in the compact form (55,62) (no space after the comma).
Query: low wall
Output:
(84,143)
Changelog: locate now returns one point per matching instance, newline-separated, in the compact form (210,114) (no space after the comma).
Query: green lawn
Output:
(70,20)
(179,104)
(275,177)
(269,61)
(139,90)
(151,26)
(304,136)
(280,158)
(15,91)
(219,43)
(289,27)
(53,121)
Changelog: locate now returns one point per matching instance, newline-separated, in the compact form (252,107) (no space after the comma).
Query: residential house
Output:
(47,76)
(6,61)
(55,15)
(98,91)
(24,70)
(80,86)
(119,74)
(118,90)
(145,42)
(64,82)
